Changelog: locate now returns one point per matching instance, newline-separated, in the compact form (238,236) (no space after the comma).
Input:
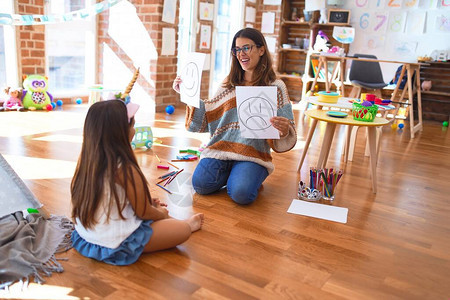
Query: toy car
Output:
(142,137)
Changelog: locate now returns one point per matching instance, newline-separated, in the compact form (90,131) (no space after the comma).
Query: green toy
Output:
(35,95)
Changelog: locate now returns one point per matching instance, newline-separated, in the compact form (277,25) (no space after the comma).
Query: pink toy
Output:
(426,85)
(14,102)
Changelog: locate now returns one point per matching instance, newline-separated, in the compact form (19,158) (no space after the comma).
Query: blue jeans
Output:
(242,178)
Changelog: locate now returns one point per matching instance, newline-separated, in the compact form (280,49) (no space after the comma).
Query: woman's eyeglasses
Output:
(246,49)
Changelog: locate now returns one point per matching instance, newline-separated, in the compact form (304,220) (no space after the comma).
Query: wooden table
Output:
(321,115)
(343,103)
(409,67)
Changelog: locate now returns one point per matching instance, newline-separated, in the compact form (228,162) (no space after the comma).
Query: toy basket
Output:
(364,113)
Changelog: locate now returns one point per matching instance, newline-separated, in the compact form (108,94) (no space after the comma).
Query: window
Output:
(229,21)
(186,36)
(8,55)
(70,49)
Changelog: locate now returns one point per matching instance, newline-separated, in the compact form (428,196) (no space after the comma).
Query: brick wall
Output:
(260,9)
(30,40)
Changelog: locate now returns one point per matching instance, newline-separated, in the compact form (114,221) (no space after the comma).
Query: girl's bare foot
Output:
(196,221)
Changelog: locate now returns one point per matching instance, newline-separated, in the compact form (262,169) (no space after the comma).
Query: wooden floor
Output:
(395,244)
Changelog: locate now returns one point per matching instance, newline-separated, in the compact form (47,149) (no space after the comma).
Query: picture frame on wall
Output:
(338,16)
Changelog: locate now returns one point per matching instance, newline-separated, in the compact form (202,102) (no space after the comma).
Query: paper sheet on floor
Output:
(317,210)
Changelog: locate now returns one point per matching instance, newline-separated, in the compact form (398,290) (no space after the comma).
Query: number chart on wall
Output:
(400,28)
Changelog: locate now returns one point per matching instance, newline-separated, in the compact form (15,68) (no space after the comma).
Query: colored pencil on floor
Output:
(164,188)
(173,166)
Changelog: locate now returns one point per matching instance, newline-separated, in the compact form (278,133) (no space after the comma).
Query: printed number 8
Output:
(396,26)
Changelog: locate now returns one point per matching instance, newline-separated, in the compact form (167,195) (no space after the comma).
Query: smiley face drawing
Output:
(190,81)
(255,113)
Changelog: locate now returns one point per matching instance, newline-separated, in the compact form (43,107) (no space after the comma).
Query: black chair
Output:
(366,75)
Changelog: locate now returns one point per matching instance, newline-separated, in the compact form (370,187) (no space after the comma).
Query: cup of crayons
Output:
(322,184)
(330,179)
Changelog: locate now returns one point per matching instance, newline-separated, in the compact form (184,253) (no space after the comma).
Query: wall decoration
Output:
(15,19)
(397,22)
(338,16)
(169,11)
(411,3)
(415,23)
(250,14)
(272,2)
(168,41)
(205,37)
(311,5)
(362,3)
(395,3)
(344,35)
(271,44)
(268,22)
(404,49)
(377,4)
(206,11)
(374,41)
(443,23)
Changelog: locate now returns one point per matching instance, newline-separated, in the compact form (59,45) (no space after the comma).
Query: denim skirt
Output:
(126,253)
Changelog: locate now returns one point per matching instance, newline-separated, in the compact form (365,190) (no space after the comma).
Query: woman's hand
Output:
(176,84)
(281,124)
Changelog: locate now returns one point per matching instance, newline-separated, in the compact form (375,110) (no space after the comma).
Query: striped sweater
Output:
(219,116)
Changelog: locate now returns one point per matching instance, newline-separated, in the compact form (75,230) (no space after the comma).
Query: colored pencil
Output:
(167,174)
(173,176)
(173,166)
(164,188)
(157,157)
(163,167)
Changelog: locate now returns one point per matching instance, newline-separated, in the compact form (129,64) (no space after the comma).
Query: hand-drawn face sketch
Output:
(191,78)
(255,106)
(255,112)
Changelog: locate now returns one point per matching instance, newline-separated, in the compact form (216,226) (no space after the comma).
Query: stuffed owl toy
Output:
(35,95)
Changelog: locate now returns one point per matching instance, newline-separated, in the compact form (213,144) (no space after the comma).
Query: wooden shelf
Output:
(290,76)
(289,23)
(292,50)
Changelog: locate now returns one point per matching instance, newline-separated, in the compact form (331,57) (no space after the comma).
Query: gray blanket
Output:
(28,246)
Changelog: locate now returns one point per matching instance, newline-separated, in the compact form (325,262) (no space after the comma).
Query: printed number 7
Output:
(383,20)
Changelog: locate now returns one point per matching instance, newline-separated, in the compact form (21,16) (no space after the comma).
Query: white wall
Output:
(393,42)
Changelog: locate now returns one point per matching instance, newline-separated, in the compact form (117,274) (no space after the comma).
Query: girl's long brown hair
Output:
(105,153)
(263,74)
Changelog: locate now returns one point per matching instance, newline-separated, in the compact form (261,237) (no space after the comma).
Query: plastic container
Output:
(364,113)
(330,97)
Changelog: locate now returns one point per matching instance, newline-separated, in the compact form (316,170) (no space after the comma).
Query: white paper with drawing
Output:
(191,77)
(255,106)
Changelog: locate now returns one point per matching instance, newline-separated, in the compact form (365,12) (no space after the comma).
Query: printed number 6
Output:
(364,21)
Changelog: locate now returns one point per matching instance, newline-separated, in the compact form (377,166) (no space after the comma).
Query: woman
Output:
(229,160)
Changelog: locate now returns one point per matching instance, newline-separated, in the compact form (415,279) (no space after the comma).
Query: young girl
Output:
(116,220)
(229,160)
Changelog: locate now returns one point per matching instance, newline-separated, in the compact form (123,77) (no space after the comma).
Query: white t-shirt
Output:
(110,233)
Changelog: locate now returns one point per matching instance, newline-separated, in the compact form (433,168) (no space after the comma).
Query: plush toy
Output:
(35,95)
(426,85)
(322,42)
(323,16)
(14,102)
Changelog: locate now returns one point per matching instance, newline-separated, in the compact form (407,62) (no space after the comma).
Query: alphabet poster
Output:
(255,106)
(191,77)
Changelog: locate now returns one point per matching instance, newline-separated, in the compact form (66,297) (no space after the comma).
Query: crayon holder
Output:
(327,194)
(307,193)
